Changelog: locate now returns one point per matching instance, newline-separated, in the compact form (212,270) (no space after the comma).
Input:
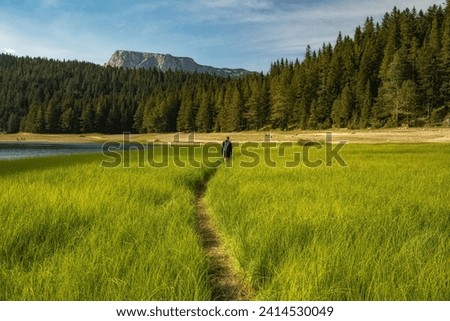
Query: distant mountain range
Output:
(165,62)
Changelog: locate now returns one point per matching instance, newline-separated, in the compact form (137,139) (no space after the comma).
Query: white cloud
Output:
(226,12)
(9,51)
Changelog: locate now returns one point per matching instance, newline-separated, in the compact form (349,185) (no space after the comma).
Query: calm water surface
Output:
(13,150)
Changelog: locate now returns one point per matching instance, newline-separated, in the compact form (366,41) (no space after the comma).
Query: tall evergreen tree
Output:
(445,58)
(429,69)
(257,105)
(87,119)
(390,98)
(204,118)
(186,116)
(283,99)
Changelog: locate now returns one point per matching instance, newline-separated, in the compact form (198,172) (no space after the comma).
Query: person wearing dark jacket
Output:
(227,149)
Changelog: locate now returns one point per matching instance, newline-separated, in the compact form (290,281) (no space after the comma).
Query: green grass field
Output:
(377,229)
(72,230)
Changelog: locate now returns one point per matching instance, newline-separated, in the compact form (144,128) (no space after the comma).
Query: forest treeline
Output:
(389,73)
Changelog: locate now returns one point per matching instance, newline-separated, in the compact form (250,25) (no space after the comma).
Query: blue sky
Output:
(222,33)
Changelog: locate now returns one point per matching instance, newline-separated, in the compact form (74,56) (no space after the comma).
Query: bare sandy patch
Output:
(375,136)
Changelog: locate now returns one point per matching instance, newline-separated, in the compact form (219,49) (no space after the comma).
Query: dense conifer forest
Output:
(389,73)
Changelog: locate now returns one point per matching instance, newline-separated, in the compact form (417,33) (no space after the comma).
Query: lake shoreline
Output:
(11,150)
(369,136)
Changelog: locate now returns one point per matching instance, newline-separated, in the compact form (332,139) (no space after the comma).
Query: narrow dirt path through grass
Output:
(224,281)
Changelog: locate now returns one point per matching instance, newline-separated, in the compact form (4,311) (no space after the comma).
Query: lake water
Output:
(16,150)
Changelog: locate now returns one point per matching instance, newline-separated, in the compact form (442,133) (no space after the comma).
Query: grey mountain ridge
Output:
(165,62)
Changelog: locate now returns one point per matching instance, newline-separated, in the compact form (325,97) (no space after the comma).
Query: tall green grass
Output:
(375,230)
(73,230)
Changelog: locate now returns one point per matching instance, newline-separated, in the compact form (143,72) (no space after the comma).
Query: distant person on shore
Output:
(227,149)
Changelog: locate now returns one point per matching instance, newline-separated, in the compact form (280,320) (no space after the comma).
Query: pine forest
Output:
(391,73)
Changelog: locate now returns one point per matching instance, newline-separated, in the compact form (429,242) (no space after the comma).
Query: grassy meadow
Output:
(72,230)
(377,229)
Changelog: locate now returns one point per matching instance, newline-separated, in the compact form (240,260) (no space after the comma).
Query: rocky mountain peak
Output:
(165,62)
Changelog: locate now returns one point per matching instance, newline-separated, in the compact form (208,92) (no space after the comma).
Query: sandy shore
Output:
(410,135)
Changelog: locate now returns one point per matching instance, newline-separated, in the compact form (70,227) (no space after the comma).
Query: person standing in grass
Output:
(227,149)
